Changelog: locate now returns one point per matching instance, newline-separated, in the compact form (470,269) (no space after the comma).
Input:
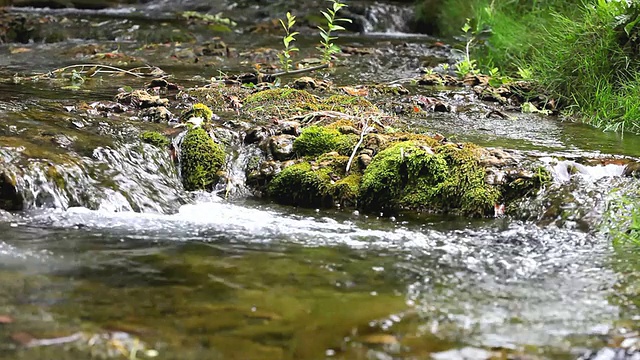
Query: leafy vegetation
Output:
(288,39)
(327,47)
(582,53)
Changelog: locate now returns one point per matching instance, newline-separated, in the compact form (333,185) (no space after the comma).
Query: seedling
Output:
(288,39)
(327,47)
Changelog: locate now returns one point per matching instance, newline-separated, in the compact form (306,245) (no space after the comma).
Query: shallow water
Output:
(253,281)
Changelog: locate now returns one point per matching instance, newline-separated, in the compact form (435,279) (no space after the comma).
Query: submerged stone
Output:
(201,160)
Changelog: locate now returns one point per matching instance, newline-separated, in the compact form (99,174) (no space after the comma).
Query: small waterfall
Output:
(387,18)
(578,195)
(132,177)
(236,169)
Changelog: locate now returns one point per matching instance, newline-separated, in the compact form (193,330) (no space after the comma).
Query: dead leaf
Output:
(20,50)
(6,319)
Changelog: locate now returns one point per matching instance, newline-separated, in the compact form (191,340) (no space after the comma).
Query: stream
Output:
(121,262)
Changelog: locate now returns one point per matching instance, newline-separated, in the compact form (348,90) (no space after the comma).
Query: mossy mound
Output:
(412,175)
(155,138)
(347,104)
(317,140)
(281,101)
(198,110)
(219,98)
(201,160)
(320,183)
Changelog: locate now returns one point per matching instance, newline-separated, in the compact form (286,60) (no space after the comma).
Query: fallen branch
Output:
(256,78)
(94,69)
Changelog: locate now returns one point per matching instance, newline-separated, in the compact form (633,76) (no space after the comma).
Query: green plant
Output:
(285,55)
(467,65)
(327,47)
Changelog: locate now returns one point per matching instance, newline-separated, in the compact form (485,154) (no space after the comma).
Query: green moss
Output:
(279,95)
(201,159)
(412,175)
(197,110)
(301,186)
(155,138)
(317,140)
(523,186)
(320,183)
(281,101)
(54,175)
(348,104)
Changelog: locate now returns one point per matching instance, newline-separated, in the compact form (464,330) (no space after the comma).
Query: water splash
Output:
(133,177)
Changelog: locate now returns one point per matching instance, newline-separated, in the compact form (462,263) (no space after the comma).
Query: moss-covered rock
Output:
(413,175)
(198,110)
(317,140)
(348,104)
(201,160)
(281,101)
(155,138)
(320,183)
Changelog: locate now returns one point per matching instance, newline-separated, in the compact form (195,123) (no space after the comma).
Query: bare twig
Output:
(97,68)
(365,130)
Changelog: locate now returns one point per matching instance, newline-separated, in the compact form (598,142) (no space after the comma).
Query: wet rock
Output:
(441,107)
(214,48)
(632,169)
(106,108)
(374,142)
(10,198)
(157,114)
(162,84)
(256,135)
(476,79)
(64,141)
(439,79)
(281,146)
(288,127)
(141,99)
(365,160)
(305,83)
(495,158)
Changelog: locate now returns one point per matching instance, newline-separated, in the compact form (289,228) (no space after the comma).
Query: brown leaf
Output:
(22,338)
(6,319)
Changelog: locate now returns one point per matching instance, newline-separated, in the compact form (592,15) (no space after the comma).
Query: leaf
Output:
(283,25)
(328,17)
(338,28)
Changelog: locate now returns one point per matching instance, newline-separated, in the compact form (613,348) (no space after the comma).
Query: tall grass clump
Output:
(584,63)
(585,53)
(622,218)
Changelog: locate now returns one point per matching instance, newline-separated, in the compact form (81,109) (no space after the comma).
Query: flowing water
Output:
(120,262)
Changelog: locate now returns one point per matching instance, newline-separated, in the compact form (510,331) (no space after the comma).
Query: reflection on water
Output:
(249,282)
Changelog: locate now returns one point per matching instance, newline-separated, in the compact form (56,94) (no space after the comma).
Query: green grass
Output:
(579,51)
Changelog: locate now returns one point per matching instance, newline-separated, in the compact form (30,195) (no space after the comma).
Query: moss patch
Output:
(348,104)
(197,110)
(317,140)
(201,159)
(320,183)
(412,175)
(155,138)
